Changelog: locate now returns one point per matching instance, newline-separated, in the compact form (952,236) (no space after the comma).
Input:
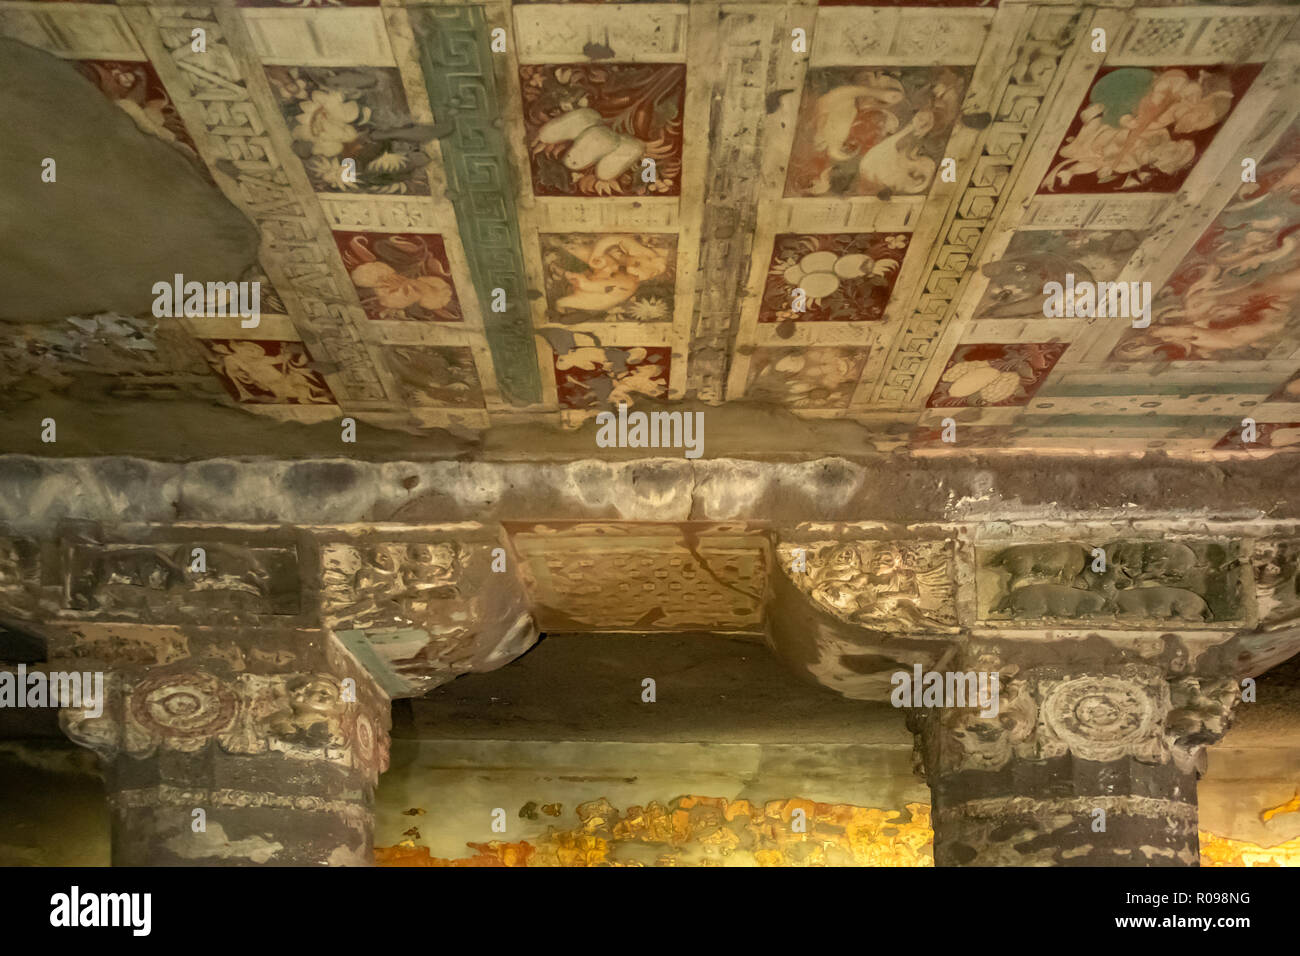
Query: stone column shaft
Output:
(1075,769)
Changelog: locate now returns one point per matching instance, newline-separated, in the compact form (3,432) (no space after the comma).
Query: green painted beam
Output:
(457,63)
(359,644)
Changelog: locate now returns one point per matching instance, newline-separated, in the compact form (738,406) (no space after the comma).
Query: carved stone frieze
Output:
(1277,580)
(424,612)
(1133,582)
(161,582)
(904,586)
(387,585)
(19,577)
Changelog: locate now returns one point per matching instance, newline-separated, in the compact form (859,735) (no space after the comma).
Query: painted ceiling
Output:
(531,212)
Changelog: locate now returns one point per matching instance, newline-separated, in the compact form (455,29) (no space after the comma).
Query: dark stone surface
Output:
(125,211)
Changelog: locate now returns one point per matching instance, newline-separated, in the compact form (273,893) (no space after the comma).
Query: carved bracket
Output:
(419,613)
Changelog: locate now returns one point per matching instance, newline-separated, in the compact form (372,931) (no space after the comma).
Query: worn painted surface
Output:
(706,831)
(626,202)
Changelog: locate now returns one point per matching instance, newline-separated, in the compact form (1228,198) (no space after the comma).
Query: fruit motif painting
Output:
(994,374)
(843,277)
(604,129)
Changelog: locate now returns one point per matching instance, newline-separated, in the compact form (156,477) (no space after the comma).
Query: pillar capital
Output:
(1073,766)
(218,749)
(1136,711)
(1114,650)
(187,707)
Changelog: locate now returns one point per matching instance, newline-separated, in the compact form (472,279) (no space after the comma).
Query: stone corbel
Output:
(420,608)
(850,606)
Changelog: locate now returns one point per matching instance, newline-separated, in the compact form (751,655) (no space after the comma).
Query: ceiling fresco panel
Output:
(509,212)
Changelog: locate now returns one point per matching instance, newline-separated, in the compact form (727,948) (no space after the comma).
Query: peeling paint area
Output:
(1224,851)
(713,831)
(708,831)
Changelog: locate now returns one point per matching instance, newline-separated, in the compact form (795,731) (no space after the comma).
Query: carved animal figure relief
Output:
(1053,600)
(1061,563)
(1162,602)
(117,577)
(1158,580)
(1163,561)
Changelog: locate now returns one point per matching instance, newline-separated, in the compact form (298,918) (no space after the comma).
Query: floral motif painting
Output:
(844,277)
(610,277)
(1267,435)
(817,377)
(873,132)
(591,126)
(1143,129)
(436,376)
(136,88)
(267,373)
(400,276)
(357,114)
(1034,258)
(996,374)
(608,376)
(1236,294)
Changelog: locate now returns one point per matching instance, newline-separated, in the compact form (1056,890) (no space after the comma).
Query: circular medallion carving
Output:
(183,705)
(364,738)
(1100,718)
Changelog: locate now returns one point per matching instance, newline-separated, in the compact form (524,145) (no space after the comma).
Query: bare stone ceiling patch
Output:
(125,210)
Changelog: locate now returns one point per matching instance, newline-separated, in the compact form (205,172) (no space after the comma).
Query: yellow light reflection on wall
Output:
(714,831)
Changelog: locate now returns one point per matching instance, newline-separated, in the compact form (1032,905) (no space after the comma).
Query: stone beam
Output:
(37,492)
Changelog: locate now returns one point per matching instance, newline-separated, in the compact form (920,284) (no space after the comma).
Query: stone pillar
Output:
(224,759)
(1079,767)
